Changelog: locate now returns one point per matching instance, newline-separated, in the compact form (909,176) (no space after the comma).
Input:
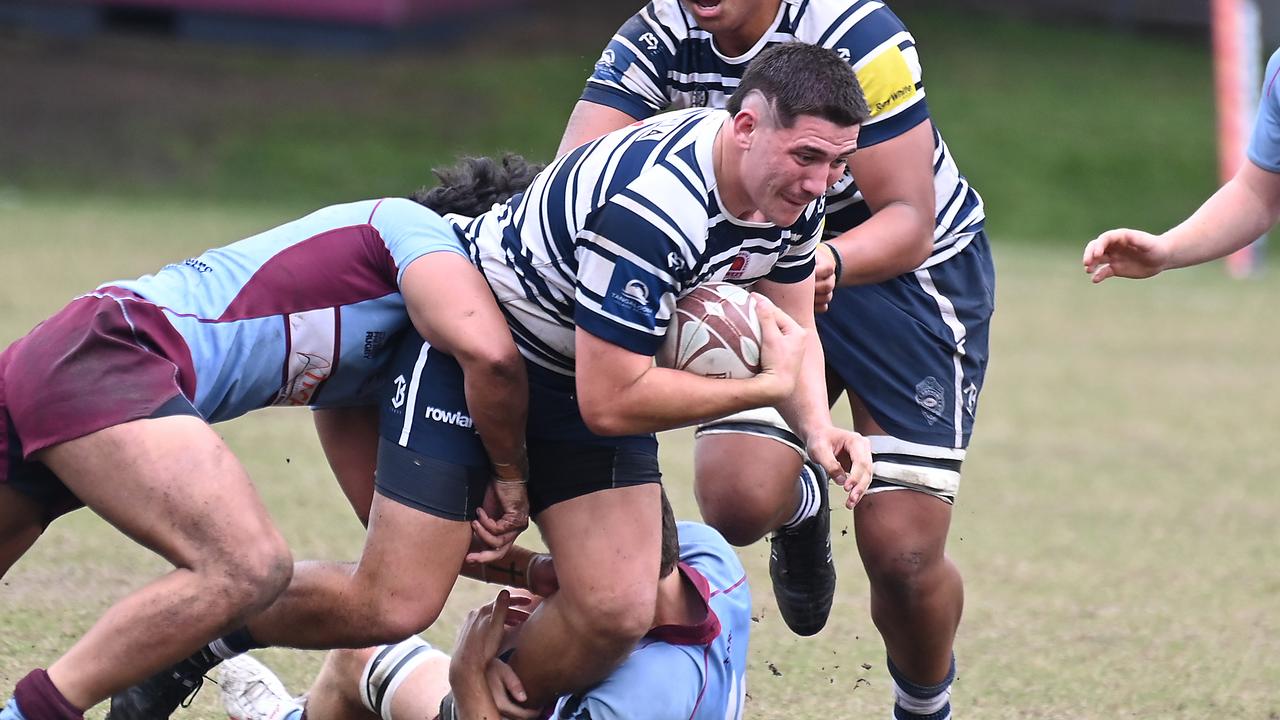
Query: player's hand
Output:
(508,692)
(500,519)
(824,277)
(1125,253)
(846,456)
(479,641)
(782,347)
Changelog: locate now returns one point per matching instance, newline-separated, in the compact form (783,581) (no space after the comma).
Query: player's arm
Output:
(521,568)
(896,180)
(845,455)
(621,392)
(452,306)
(1240,212)
(589,121)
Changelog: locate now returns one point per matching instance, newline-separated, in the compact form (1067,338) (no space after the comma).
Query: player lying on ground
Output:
(691,664)
(108,404)
(1240,212)
(905,333)
(588,264)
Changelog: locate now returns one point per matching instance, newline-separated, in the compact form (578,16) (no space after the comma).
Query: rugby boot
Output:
(250,691)
(158,696)
(800,565)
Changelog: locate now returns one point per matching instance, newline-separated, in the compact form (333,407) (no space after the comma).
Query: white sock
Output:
(810,499)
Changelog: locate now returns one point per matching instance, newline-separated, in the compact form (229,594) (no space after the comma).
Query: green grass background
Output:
(1118,521)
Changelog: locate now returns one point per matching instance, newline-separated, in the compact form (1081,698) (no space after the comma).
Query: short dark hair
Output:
(670,539)
(802,79)
(475,184)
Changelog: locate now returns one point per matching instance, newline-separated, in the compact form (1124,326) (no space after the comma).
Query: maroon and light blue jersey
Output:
(301,314)
(676,672)
(660,59)
(1264,147)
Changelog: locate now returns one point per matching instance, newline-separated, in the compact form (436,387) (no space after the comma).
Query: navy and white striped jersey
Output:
(661,59)
(609,236)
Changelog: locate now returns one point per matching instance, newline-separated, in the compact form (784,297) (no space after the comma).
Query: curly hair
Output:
(475,184)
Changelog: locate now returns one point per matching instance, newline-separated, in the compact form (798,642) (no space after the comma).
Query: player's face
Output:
(785,169)
(731,16)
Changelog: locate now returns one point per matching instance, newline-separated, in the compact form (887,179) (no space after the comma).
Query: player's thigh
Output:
(745,469)
(914,349)
(607,546)
(349,438)
(173,485)
(901,530)
(410,560)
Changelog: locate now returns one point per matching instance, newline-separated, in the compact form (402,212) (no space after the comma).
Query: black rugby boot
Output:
(800,565)
(157,697)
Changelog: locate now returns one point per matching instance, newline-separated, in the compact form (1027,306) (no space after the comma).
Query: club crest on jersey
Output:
(698,96)
(739,266)
(931,398)
(631,294)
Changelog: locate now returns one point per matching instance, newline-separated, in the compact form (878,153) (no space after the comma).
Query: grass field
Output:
(1117,525)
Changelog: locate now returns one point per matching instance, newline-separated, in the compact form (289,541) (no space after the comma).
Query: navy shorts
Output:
(914,348)
(431,457)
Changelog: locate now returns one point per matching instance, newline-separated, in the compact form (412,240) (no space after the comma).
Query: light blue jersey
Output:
(611,234)
(660,59)
(1264,148)
(300,314)
(696,672)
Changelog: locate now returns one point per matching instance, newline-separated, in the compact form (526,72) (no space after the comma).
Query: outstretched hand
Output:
(1125,253)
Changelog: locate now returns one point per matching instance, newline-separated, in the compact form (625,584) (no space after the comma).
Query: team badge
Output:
(698,96)
(931,398)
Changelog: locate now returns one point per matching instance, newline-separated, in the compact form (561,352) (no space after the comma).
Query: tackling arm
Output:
(589,121)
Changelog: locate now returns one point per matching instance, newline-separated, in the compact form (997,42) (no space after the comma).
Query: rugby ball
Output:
(714,332)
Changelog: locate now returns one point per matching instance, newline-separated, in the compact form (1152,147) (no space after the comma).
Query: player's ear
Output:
(745,124)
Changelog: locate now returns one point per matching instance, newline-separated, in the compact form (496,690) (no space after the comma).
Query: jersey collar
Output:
(700,633)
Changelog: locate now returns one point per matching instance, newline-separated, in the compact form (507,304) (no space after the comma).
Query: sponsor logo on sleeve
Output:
(887,81)
(633,294)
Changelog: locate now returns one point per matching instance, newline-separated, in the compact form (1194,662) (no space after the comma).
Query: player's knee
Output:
(254,574)
(743,512)
(394,617)
(739,526)
(905,575)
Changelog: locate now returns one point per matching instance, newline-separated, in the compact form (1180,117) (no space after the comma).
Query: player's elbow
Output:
(497,365)
(606,416)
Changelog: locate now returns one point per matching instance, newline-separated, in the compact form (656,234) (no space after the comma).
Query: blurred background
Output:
(1069,115)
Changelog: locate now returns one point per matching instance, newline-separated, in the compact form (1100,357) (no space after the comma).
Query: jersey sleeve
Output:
(410,231)
(883,53)
(1264,146)
(629,254)
(631,74)
(629,692)
(796,263)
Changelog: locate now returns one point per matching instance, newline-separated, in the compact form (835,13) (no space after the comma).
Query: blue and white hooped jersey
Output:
(302,314)
(661,59)
(676,672)
(1264,146)
(609,236)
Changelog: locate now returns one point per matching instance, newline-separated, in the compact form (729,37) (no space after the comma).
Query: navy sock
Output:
(224,648)
(921,702)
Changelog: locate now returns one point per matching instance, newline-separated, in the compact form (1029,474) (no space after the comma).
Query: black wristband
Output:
(835,255)
(447,709)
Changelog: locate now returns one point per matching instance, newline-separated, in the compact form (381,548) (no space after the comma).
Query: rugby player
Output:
(108,404)
(691,663)
(1240,212)
(905,334)
(587,265)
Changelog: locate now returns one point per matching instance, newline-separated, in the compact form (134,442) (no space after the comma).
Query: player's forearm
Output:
(512,569)
(662,399)
(498,400)
(1240,212)
(806,409)
(589,121)
(893,241)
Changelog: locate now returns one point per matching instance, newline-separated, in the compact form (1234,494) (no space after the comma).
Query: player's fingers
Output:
(1102,272)
(509,693)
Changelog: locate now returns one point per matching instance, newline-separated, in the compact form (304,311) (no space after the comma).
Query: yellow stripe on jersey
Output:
(887,81)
